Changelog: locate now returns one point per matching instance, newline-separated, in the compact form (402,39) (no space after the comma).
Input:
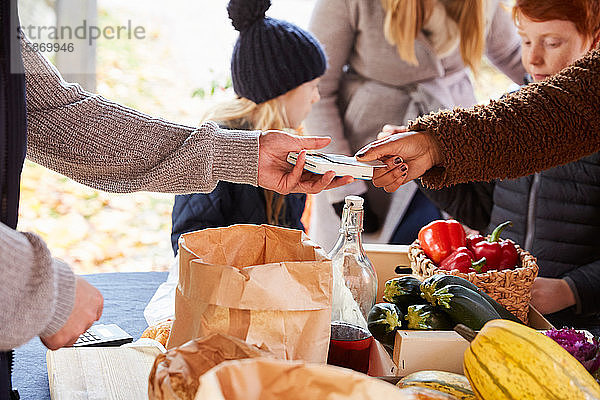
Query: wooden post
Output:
(78,65)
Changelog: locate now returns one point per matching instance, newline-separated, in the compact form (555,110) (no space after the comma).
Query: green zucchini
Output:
(435,282)
(438,281)
(428,317)
(383,321)
(465,306)
(403,291)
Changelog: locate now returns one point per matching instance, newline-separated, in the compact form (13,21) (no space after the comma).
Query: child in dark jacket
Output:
(275,69)
(556,213)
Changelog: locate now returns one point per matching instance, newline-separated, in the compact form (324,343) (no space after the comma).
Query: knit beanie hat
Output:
(271,56)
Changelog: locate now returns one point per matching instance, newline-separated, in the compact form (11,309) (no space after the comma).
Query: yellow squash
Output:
(446,382)
(507,360)
(421,393)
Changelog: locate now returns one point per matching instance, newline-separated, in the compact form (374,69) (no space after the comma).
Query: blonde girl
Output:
(275,69)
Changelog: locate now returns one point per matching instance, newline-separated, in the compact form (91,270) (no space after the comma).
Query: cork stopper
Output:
(354,203)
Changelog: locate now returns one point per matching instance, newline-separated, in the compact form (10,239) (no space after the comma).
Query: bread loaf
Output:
(159,332)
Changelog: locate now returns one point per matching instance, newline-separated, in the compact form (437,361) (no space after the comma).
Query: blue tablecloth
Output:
(125,297)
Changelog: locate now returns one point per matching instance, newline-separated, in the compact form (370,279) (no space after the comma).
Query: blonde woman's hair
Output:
(404,19)
(242,113)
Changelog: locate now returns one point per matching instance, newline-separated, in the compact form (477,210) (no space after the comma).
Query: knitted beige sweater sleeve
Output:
(110,147)
(37,292)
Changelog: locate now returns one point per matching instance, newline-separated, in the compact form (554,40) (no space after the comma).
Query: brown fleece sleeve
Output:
(542,125)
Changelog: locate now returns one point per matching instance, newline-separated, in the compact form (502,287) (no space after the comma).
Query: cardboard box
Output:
(440,350)
(385,258)
(423,350)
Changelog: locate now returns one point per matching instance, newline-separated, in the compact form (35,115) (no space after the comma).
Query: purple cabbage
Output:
(579,346)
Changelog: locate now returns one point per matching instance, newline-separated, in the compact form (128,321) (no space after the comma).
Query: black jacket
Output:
(13,130)
(556,216)
(230,204)
(13,122)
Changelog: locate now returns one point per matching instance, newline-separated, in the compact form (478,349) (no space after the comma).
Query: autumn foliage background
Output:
(180,68)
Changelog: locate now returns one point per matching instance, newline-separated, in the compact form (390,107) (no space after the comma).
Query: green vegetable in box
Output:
(464,306)
(438,281)
(383,321)
(403,291)
(428,317)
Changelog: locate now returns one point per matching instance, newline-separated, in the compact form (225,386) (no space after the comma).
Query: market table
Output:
(125,297)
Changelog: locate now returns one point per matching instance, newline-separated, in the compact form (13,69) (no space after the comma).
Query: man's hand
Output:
(275,173)
(550,295)
(408,155)
(87,309)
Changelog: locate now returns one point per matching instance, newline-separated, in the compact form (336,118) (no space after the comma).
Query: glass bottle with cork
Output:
(353,294)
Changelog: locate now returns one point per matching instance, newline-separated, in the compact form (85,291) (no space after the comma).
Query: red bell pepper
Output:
(440,238)
(500,254)
(472,239)
(461,259)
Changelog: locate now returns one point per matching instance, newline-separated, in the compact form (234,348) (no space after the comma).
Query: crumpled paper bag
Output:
(269,379)
(174,375)
(266,285)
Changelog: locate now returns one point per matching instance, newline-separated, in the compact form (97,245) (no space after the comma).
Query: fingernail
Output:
(398,160)
(360,153)
(404,168)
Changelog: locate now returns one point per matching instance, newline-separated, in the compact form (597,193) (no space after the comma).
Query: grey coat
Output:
(368,85)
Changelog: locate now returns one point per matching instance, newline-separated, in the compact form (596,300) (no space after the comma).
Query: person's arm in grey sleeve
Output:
(37,291)
(584,283)
(503,45)
(469,203)
(111,147)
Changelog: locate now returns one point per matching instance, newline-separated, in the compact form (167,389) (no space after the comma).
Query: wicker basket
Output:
(511,288)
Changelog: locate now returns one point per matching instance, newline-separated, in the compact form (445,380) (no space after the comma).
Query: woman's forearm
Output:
(541,126)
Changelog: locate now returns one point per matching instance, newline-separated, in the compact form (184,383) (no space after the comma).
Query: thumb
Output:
(314,142)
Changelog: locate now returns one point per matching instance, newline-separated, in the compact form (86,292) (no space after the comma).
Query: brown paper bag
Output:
(266,285)
(174,375)
(266,379)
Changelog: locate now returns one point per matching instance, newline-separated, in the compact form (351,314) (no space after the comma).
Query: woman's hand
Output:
(275,173)
(550,295)
(408,155)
